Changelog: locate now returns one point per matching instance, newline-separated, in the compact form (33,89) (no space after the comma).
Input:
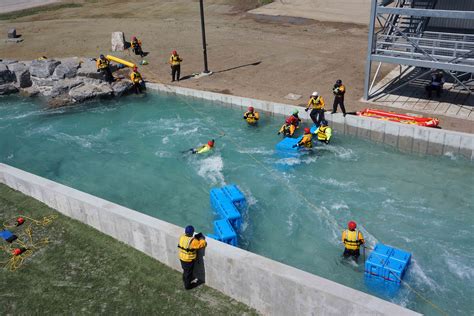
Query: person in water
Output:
(251,116)
(307,139)
(204,148)
(324,132)
(352,239)
(286,129)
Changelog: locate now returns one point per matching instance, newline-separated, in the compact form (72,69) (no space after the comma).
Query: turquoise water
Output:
(129,151)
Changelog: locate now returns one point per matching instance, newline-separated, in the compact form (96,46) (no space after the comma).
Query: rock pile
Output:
(63,82)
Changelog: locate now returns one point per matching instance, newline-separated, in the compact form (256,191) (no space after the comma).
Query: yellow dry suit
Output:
(102,63)
(188,246)
(175,60)
(306,141)
(316,103)
(136,77)
(251,117)
(324,133)
(352,239)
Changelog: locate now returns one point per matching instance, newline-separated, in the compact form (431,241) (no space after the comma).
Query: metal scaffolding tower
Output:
(400,34)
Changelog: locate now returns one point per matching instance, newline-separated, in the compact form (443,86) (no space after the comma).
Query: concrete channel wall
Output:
(270,287)
(407,138)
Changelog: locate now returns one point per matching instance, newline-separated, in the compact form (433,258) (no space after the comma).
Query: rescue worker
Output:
(204,148)
(324,132)
(137,46)
(251,116)
(436,84)
(137,80)
(286,129)
(352,240)
(188,245)
(175,62)
(316,104)
(338,90)
(294,121)
(307,140)
(104,66)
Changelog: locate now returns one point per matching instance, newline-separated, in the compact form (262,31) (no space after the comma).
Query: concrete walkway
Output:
(15,5)
(346,11)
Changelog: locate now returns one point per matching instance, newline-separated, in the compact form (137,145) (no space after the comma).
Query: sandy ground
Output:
(15,5)
(250,55)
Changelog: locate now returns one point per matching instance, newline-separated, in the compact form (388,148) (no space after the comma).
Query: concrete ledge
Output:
(266,285)
(407,138)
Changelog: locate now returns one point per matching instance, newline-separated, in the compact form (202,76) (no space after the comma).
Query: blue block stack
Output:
(387,263)
(228,202)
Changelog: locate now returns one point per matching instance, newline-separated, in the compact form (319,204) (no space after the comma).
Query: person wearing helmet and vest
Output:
(251,116)
(204,148)
(294,121)
(323,132)
(103,66)
(175,62)
(316,104)
(286,129)
(307,139)
(137,46)
(352,239)
(339,90)
(137,80)
(188,246)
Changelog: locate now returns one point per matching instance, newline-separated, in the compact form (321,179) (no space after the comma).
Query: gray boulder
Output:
(29,92)
(89,91)
(60,101)
(63,86)
(6,76)
(67,69)
(88,69)
(22,74)
(121,87)
(118,42)
(7,89)
(43,68)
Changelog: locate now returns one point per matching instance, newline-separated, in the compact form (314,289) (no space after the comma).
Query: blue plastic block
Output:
(225,232)
(313,128)
(223,206)
(236,196)
(383,250)
(401,255)
(8,235)
(381,287)
(287,144)
(394,270)
(213,237)
(374,265)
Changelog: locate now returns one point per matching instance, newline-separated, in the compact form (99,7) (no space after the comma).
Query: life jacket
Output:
(251,117)
(285,129)
(339,90)
(203,149)
(294,120)
(317,103)
(101,64)
(175,60)
(351,240)
(322,133)
(306,141)
(136,77)
(136,43)
(186,253)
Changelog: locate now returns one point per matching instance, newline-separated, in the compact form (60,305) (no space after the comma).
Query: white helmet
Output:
(315,94)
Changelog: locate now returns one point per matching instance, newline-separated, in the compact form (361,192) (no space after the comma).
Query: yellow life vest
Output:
(322,133)
(186,253)
(175,60)
(101,64)
(317,103)
(339,91)
(136,44)
(203,149)
(251,117)
(135,77)
(351,240)
(306,141)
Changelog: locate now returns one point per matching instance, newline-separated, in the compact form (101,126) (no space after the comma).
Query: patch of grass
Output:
(36,10)
(82,271)
(264,2)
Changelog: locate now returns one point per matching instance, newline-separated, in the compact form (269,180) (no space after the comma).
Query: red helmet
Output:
(211,143)
(174,52)
(133,38)
(307,130)
(135,68)
(351,225)
(251,109)
(288,121)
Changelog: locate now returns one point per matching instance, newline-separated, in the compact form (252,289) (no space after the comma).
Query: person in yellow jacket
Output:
(339,90)
(103,65)
(307,139)
(251,116)
(175,62)
(316,104)
(287,129)
(352,239)
(137,80)
(204,148)
(188,246)
(137,46)
(324,132)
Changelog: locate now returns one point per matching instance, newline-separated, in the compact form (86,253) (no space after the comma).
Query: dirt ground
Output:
(250,55)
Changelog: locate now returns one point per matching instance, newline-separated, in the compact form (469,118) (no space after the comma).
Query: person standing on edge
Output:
(339,90)
(316,103)
(137,80)
(188,246)
(352,239)
(175,62)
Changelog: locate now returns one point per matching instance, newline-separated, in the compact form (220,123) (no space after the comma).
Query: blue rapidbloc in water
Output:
(213,237)
(223,206)
(236,196)
(225,232)
(287,143)
(394,270)
(313,128)
(384,250)
(401,255)
(374,265)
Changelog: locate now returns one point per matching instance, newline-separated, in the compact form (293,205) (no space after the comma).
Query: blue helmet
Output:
(189,230)
(324,122)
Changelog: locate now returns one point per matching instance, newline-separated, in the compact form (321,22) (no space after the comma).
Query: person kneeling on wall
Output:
(352,239)
(137,80)
(204,148)
(306,141)
(188,246)
(324,132)
(251,116)
(104,66)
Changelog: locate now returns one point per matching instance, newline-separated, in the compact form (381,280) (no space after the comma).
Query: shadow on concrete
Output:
(237,67)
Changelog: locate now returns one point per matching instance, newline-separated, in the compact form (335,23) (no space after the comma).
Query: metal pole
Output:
(368,65)
(203,31)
